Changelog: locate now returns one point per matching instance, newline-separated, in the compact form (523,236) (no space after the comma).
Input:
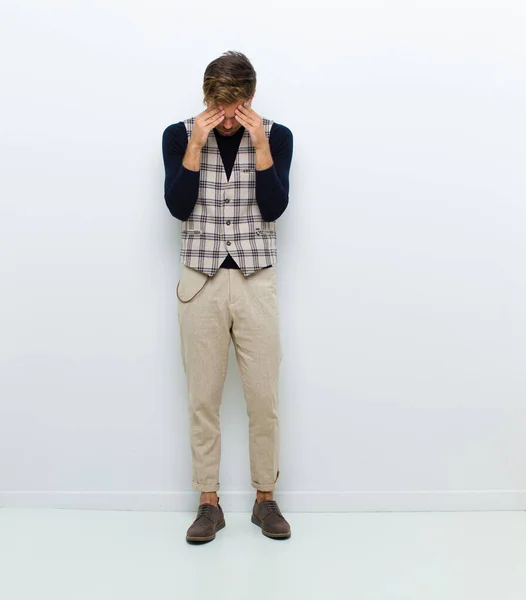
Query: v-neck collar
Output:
(243,139)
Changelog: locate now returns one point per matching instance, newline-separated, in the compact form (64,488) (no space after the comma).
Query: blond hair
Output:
(228,79)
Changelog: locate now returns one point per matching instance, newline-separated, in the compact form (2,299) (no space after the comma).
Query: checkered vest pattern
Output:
(226,217)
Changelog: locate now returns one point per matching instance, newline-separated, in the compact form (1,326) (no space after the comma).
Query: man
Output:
(227,180)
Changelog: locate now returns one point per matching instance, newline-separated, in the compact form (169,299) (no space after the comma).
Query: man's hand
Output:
(254,123)
(204,123)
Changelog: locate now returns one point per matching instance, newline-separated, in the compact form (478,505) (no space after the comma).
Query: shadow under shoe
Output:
(209,520)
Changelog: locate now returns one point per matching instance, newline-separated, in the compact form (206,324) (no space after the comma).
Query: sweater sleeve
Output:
(272,184)
(181,185)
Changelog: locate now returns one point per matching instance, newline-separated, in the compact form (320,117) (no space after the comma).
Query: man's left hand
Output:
(253,122)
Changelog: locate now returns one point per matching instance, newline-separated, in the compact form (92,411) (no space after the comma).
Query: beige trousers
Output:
(212,312)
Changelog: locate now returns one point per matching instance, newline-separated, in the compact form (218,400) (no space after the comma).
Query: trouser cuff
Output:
(266,487)
(205,487)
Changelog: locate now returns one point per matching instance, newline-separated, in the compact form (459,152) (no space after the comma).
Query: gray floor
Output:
(103,555)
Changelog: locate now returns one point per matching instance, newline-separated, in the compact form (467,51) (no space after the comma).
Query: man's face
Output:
(229,125)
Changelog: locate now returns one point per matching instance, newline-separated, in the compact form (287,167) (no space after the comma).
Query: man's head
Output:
(229,81)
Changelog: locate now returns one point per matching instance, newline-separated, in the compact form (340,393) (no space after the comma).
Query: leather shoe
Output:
(266,514)
(208,522)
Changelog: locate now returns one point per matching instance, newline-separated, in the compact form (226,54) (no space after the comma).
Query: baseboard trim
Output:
(303,501)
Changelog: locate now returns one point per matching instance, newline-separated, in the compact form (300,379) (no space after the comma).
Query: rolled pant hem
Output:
(201,487)
(269,487)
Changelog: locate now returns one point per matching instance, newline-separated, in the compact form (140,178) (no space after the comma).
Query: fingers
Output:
(212,114)
(212,110)
(244,120)
(246,116)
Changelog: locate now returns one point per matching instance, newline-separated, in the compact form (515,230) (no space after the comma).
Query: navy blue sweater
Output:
(181,185)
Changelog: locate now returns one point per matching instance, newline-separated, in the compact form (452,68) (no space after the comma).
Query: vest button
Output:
(229,243)
(228,222)
(227,200)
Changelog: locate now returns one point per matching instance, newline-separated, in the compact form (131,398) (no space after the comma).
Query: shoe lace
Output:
(271,506)
(204,510)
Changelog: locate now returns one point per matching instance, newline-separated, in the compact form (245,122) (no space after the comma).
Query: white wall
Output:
(401,277)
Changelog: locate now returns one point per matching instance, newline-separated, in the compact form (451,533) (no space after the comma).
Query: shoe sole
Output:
(274,536)
(203,540)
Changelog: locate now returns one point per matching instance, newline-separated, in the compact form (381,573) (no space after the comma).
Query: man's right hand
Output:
(204,123)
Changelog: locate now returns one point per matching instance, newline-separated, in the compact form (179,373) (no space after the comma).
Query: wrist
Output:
(263,146)
(194,146)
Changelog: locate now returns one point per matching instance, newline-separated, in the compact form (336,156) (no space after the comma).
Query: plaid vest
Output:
(226,217)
